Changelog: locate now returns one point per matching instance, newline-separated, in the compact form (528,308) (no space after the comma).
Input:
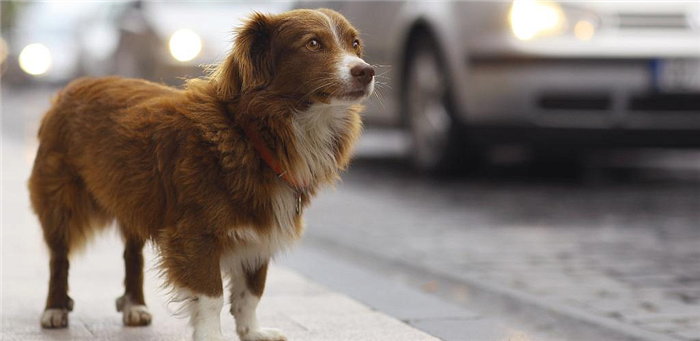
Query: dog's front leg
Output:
(247,286)
(192,265)
(205,318)
(204,312)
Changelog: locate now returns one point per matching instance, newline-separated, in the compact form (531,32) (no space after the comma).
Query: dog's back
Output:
(77,133)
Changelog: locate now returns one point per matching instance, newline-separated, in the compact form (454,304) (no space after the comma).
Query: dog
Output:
(216,174)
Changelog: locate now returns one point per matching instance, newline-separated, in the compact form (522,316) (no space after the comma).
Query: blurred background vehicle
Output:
(168,41)
(555,76)
(162,41)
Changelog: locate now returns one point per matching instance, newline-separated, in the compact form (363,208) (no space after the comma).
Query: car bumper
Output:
(583,138)
(608,45)
(578,93)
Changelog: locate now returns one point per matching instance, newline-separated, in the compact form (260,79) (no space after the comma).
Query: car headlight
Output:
(185,45)
(35,59)
(530,18)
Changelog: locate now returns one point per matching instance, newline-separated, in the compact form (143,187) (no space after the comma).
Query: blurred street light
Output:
(35,59)
(185,45)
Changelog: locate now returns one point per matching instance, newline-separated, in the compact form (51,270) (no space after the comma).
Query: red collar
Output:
(270,158)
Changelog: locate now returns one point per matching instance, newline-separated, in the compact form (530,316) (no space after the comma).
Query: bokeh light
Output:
(584,30)
(185,45)
(35,59)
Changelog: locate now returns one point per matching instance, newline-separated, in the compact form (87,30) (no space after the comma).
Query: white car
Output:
(465,75)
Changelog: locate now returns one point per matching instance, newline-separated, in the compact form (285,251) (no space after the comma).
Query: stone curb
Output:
(494,298)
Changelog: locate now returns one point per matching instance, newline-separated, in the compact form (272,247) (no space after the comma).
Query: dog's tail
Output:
(68,213)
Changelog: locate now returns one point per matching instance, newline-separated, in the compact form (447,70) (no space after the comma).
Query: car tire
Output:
(435,130)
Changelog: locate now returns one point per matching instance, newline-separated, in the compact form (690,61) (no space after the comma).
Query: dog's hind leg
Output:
(65,209)
(132,304)
(58,303)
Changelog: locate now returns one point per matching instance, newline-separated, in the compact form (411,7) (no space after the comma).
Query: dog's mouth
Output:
(353,94)
(348,95)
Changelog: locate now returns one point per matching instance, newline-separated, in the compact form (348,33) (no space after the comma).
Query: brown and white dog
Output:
(216,174)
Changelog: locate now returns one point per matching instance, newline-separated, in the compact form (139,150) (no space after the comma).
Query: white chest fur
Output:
(315,133)
(316,130)
(253,247)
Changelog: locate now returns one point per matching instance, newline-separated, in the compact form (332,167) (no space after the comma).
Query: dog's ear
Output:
(250,65)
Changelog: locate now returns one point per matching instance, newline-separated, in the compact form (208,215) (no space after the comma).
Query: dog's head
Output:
(314,55)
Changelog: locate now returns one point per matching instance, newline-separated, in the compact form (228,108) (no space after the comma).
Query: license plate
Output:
(676,75)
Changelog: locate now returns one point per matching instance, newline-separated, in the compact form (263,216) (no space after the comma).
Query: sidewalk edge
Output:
(494,298)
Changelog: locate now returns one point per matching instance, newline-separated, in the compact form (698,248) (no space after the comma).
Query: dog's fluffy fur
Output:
(175,166)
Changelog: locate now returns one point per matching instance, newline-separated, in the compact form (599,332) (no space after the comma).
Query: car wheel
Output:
(433,126)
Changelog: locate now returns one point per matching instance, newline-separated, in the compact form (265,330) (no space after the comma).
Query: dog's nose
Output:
(363,73)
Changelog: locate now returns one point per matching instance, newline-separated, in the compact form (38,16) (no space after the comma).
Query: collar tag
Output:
(268,156)
(299,194)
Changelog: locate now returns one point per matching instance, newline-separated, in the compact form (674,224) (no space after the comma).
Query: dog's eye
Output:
(356,45)
(313,45)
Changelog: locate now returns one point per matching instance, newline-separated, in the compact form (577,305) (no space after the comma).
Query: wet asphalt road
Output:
(618,238)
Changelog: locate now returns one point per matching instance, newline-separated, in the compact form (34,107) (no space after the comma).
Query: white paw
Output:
(133,315)
(54,318)
(137,315)
(262,334)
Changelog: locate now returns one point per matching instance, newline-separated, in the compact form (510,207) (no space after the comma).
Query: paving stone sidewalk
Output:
(627,253)
(302,309)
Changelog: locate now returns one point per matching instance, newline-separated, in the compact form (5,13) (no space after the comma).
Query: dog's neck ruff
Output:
(271,160)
